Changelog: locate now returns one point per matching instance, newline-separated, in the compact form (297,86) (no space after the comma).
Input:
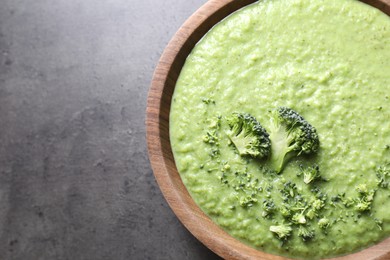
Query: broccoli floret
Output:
(310,173)
(362,205)
(285,210)
(268,208)
(283,231)
(323,223)
(382,173)
(291,135)
(211,136)
(289,190)
(311,213)
(362,189)
(347,202)
(248,136)
(316,206)
(369,196)
(247,201)
(305,233)
(299,218)
(366,197)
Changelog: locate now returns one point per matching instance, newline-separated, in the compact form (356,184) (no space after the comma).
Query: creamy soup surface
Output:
(328,60)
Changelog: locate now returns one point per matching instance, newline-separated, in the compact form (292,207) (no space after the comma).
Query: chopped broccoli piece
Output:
(336,198)
(382,173)
(305,233)
(366,197)
(370,195)
(319,194)
(247,201)
(289,190)
(225,167)
(208,101)
(268,208)
(323,223)
(215,122)
(310,173)
(311,213)
(211,136)
(285,210)
(248,136)
(379,223)
(347,202)
(214,153)
(283,231)
(362,205)
(318,204)
(296,208)
(299,218)
(291,135)
(362,189)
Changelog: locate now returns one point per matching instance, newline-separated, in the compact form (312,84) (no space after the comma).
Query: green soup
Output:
(329,60)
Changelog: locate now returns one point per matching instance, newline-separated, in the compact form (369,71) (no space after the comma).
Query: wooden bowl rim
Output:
(160,153)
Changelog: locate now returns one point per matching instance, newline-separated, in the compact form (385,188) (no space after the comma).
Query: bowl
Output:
(159,147)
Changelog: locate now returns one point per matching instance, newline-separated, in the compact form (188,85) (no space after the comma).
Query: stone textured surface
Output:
(75,180)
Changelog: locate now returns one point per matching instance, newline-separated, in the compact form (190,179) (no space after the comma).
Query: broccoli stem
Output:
(240,142)
(280,149)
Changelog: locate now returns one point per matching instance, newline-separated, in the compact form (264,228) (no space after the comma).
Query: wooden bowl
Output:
(160,153)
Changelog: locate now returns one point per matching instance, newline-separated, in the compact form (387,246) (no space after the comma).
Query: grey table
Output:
(75,179)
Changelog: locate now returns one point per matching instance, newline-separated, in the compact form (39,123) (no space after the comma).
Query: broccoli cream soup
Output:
(280,126)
